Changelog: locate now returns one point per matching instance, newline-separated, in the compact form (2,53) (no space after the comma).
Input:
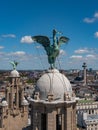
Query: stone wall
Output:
(11,122)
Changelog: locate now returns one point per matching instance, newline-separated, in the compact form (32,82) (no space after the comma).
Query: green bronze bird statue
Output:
(52,50)
(14,64)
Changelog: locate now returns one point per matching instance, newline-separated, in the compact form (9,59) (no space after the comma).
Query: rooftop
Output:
(92,117)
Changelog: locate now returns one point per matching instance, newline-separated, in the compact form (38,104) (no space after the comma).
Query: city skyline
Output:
(20,20)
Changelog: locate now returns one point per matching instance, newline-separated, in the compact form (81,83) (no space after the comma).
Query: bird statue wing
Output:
(44,40)
(12,63)
(16,63)
(62,39)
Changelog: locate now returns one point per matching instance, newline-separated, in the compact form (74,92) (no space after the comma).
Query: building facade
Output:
(53,106)
(14,108)
(87,116)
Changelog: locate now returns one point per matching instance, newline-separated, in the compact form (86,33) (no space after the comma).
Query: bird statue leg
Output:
(52,66)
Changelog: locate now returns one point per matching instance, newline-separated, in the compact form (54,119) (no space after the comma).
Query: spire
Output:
(85,78)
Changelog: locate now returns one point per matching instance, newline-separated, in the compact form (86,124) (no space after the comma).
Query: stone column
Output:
(36,118)
(74,116)
(7,94)
(84,67)
(68,117)
(17,97)
(11,93)
(51,121)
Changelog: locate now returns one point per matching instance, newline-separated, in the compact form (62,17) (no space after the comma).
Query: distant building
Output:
(87,115)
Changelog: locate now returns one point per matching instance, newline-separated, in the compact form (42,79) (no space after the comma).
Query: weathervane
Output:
(14,64)
(51,50)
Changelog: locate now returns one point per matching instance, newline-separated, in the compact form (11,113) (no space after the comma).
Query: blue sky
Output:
(21,19)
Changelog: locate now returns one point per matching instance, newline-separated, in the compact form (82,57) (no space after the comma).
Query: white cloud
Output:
(38,47)
(26,39)
(17,53)
(26,61)
(81,51)
(96,15)
(2,53)
(1,47)
(9,35)
(62,52)
(76,57)
(91,56)
(96,34)
(91,20)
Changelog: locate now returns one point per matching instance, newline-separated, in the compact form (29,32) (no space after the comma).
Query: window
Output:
(58,122)
(43,121)
(92,111)
(89,111)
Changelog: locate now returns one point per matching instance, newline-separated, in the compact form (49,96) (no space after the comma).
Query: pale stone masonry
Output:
(14,108)
(66,110)
(54,104)
(87,115)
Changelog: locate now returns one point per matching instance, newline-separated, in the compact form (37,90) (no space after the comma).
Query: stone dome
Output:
(24,102)
(4,103)
(53,82)
(14,73)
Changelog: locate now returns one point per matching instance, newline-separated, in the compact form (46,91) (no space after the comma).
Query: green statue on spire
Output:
(52,50)
(14,64)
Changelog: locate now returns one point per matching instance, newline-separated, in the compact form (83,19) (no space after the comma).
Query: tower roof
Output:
(14,73)
(24,102)
(4,103)
(55,83)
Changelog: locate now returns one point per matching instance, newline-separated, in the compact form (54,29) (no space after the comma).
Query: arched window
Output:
(58,122)
(43,121)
